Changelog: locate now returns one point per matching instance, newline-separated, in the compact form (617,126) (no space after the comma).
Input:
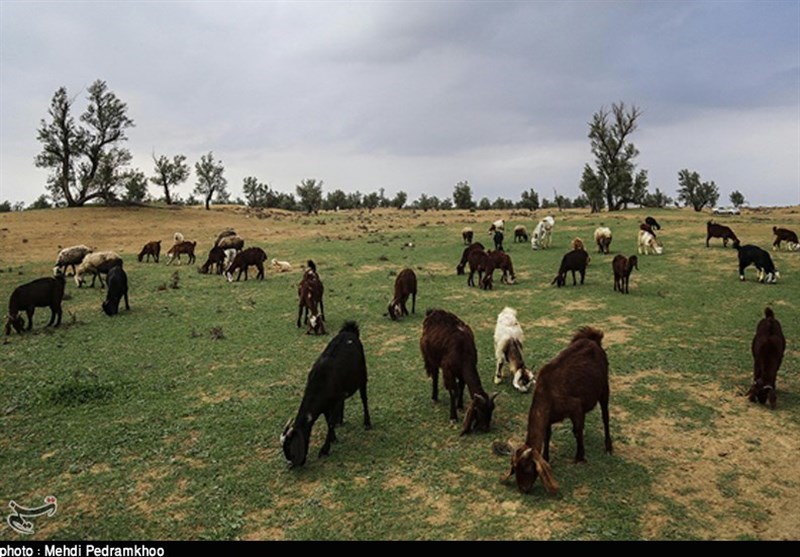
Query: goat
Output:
(754,255)
(465,256)
(648,243)
(499,224)
(623,267)
(501,260)
(405,285)
(310,292)
(652,223)
(785,235)
(230,242)
(543,233)
(479,261)
(98,264)
(768,347)
(281,266)
(568,386)
(184,247)
(150,249)
(245,258)
(714,230)
(498,240)
(216,258)
(70,257)
(338,373)
(448,343)
(575,260)
(577,243)
(117,289)
(508,340)
(224,234)
(520,233)
(39,293)
(647,228)
(602,237)
(466,234)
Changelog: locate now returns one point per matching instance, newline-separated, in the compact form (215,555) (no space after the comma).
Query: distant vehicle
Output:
(726,211)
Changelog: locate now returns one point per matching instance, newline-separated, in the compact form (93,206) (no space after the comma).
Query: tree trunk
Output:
(167,197)
(208,199)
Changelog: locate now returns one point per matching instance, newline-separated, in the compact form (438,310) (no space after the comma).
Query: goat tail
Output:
(349,327)
(768,313)
(589,333)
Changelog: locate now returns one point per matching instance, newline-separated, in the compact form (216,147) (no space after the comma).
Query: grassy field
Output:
(163,422)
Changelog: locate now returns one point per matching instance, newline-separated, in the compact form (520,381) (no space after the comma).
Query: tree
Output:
(658,200)
(309,192)
(41,203)
(446,204)
(85,160)
(501,203)
(210,179)
(354,200)
(529,200)
(169,173)
(737,199)
(134,183)
(484,204)
(5,207)
(462,196)
(371,200)
(692,192)
(614,176)
(399,200)
(335,200)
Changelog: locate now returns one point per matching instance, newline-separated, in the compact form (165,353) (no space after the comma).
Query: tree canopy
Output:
(694,192)
(210,179)
(169,173)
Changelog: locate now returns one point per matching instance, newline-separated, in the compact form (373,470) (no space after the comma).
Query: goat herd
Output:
(568,386)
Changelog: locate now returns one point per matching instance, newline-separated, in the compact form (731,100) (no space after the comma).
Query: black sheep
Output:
(43,292)
(117,282)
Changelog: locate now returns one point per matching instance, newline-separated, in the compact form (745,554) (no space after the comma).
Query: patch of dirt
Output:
(582,305)
(394,344)
(616,330)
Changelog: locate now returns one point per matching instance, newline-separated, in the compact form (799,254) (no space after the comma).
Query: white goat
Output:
(542,234)
(281,266)
(97,264)
(508,339)
(648,244)
(602,237)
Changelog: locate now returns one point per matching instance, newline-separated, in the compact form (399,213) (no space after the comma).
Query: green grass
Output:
(163,422)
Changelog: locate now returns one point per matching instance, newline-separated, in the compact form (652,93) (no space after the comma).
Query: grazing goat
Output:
(647,228)
(98,264)
(448,343)
(575,260)
(184,247)
(465,256)
(714,230)
(479,261)
(230,242)
(117,289)
(405,285)
(520,233)
(785,235)
(508,339)
(754,255)
(568,386)
(652,223)
(224,234)
(216,257)
(648,244)
(467,234)
(543,233)
(498,240)
(499,224)
(150,249)
(623,267)
(70,257)
(602,237)
(310,292)
(39,293)
(338,373)
(767,348)
(577,243)
(245,258)
(281,266)
(501,260)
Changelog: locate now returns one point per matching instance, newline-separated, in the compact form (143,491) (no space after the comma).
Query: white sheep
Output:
(499,224)
(71,256)
(648,244)
(281,266)
(602,237)
(96,264)
(508,339)
(543,232)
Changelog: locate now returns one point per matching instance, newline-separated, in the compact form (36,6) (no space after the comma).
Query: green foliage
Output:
(694,192)
(210,179)
(462,195)
(170,174)
(484,204)
(737,199)
(529,200)
(593,186)
(309,195)
(134,183)
(42,202)
(657,200)
(399,200)
(5,207)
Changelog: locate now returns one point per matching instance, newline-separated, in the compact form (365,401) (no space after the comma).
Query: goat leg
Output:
(367,421)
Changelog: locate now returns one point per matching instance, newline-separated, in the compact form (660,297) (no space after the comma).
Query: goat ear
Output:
(545,472)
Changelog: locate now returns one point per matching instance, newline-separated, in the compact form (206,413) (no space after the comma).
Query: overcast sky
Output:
(416,96)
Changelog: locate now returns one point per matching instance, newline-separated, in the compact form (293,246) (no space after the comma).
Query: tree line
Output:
(88,163)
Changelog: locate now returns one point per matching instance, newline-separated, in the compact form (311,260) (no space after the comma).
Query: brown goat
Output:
(767,348)
(480,262)
(405,285)
(501,260)
(714,230)
(245,258)
(577,243)
(184,247)
(448,343)
(310,307)
(785,235)
(623,267)
(150,249)
(568,386)
(465,256)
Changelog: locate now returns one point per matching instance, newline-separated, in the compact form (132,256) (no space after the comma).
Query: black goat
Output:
(754,255)
(575,260)
(43,292)
(216,258)
(652,223)
(768,347)
(498,240)
(338,373)
(117,282)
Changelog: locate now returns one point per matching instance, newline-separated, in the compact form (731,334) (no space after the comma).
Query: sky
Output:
(416,96)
